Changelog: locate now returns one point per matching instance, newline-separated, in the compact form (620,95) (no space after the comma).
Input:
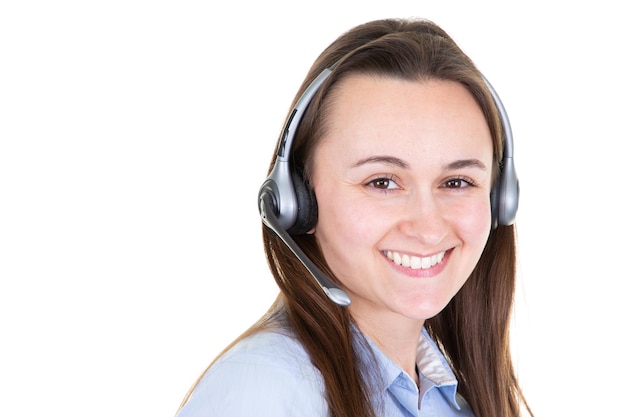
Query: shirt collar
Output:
(434,372)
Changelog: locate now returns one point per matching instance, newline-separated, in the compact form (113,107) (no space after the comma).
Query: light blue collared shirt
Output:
(270,374)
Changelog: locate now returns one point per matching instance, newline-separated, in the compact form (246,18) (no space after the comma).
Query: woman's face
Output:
(402,180)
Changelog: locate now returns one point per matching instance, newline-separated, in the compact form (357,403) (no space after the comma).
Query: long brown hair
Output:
(473,329)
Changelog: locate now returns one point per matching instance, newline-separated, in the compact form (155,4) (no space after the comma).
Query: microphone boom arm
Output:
(334,293)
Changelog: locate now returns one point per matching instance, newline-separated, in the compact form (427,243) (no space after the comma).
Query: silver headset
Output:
(287,204)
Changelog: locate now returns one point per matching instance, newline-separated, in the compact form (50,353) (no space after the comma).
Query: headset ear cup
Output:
(306,217)
(505,196)
(495,204)
(508,197)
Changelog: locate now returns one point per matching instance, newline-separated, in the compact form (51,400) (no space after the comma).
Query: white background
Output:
(134,136)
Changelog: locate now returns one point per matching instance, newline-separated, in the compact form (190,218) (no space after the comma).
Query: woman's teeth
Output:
(415,262)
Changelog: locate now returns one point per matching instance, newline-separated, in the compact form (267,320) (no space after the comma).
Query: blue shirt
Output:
(270,374)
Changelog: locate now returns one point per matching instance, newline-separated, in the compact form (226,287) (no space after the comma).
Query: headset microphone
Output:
(266,207)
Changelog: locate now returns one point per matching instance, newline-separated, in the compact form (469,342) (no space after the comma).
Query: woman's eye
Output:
(457,183)
(383,183)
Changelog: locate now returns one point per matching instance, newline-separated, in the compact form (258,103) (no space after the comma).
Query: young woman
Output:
(388,227)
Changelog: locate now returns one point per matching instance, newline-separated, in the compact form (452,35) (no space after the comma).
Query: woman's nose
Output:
(424,219)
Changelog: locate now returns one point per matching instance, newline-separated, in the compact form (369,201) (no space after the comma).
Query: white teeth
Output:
(415,262)
(396,258)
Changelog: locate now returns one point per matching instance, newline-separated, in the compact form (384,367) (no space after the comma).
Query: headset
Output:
(288,207)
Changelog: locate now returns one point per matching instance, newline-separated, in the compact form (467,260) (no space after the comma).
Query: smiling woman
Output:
(389,231)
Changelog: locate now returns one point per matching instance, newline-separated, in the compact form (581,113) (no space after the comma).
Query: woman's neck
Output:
(395,337)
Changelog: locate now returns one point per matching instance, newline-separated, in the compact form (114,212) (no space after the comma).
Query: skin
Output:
(404,168)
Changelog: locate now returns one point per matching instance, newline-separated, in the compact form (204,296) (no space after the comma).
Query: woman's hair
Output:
(473,329)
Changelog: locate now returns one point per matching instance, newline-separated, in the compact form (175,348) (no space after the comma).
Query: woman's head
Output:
(398,53)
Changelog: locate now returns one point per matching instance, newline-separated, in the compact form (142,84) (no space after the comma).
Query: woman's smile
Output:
(417,266)
(415,262)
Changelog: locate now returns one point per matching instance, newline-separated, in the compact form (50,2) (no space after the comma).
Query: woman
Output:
(397,273)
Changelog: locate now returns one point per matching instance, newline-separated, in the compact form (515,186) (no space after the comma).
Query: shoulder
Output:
(264,374)
(266,355)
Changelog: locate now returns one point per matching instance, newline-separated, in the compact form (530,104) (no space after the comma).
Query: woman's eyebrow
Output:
(394,161)
(384,159)
(465,163)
